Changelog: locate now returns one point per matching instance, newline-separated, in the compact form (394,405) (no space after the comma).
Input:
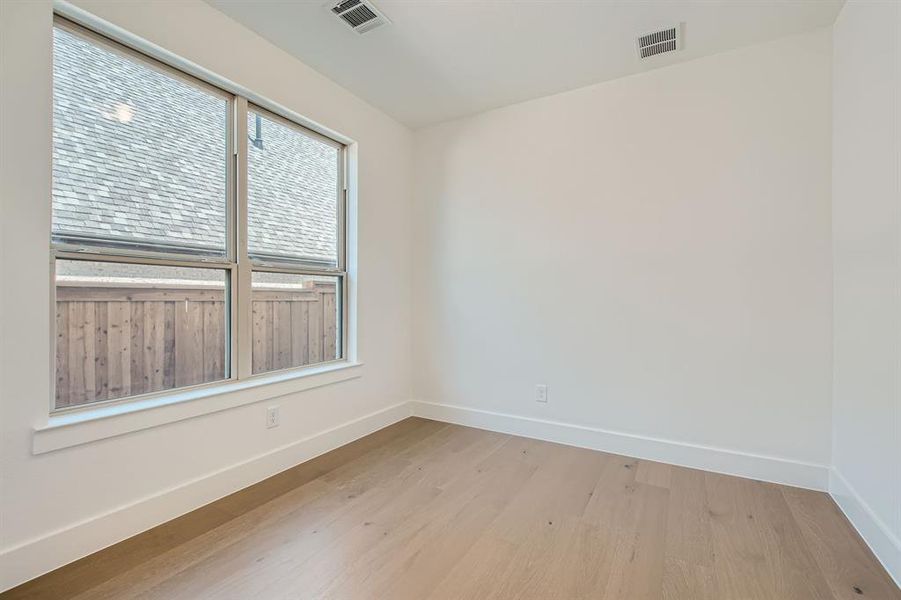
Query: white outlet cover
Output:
(272,417)
(541,392)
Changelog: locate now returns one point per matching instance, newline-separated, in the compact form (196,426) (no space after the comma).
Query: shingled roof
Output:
(139,158)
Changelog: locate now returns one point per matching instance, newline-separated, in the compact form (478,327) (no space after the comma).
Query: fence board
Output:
(90,351)
(63,375)
(314,331)
(188,343)
(119,347)
(329,329)
(281,335)
(76,353)
(213,341)
(131,294)
(101,350)
(154,345)
(304,295)
(262,336)
(300,323)
(138,383)
(169,344)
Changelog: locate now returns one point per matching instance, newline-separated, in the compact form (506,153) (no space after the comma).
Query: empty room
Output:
(450,299)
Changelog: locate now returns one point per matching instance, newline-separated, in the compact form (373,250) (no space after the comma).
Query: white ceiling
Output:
(441,59)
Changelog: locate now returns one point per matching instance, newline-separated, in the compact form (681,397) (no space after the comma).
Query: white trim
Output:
(40,555)
(719,460)
(63,430)
(875,532)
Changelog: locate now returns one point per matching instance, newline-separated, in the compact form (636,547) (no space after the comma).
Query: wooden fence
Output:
(113,342)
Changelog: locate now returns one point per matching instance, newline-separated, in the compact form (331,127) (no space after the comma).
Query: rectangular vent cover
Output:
(360,15)
(659,42)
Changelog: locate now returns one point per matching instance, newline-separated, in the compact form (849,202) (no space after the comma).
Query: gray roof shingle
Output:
(139,157)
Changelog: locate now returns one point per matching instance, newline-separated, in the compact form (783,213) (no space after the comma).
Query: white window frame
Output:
(236,262)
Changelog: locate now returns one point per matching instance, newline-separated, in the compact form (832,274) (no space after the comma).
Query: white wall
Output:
(655,248)
(56,507)
(866,227)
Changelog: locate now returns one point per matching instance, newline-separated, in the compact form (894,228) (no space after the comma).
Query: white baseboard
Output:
(874,531)
(720,460)
(41,555)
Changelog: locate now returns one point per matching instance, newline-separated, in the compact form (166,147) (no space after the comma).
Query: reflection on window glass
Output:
(296,320)
(127,329)
(139,157)
(292,194)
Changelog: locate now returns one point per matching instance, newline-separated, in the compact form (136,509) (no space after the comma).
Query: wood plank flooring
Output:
(427,510)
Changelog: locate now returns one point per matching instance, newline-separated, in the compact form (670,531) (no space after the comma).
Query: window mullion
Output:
(298,269)
(231,240)
(104,257)
(242,297)
(342,211)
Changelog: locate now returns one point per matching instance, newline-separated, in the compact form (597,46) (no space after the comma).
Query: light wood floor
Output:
(426,510)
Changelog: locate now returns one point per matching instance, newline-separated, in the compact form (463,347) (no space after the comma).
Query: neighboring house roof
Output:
(139,157)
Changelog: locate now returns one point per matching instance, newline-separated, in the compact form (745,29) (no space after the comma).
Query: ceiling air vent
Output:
(660,42)
(360,15)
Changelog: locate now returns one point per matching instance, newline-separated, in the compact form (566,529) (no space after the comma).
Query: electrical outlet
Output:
(541,392)
(272,417)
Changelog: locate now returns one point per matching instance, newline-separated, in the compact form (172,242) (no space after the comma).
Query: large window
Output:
(196,238)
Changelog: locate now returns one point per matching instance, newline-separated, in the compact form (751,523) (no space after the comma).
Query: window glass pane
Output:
(292,194)
(139,157)
(126,329)
(296,320)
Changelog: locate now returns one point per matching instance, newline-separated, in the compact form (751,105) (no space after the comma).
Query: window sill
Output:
(102,422)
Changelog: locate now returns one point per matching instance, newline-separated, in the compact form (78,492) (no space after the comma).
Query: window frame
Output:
(236,261)
(288,265)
